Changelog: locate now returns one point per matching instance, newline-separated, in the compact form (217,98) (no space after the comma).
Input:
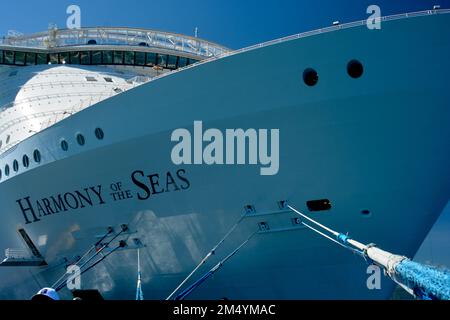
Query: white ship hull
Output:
(378,143)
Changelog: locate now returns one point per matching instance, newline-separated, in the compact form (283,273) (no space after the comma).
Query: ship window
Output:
(92,42)
(99,134)
(91,79)
(8,137)
(319,205)
(9,57)
(140,58)
(1,56)
(41,58)
(108,79)
(0,174)
(182,62)
(64,145)
(129,57)
(118,90)
(25,161)
(20,58)
(118,57)
(85,57)
(80,139)
(75,57)
(96,57)
(310,77)
(54,58)
(172,62)
(162,60)
(191,61)
(151,59)
(355,69)
(1,143)
(31,58)
(16,165)
(37,156)
(64,57)
(107,57)
(6,170)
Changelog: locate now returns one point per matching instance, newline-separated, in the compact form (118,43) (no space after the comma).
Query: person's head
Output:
(46,294)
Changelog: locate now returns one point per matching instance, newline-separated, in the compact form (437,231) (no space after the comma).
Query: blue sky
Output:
(233,23)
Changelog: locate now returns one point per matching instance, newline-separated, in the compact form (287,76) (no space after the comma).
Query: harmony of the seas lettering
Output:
(146,186)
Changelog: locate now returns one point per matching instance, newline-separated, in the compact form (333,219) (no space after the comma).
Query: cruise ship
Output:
(87,179)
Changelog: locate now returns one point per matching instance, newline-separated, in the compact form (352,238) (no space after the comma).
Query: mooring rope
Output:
(208,255)
(219,265)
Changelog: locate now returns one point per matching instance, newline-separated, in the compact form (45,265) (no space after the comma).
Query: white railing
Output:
(306,34)
(17,254)
(115,36)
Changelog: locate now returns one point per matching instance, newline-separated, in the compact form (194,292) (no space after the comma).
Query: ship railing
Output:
(115,36)
(17,254)
(307,34)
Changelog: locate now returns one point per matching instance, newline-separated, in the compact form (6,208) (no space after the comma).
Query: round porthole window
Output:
(37,156)
(64,145)
(16,166)
(310,77)
(25,161)
(99,134)
(355,69)
(80,139)
(6,170)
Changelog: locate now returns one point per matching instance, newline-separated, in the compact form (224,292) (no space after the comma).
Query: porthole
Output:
(99,134)
(355,69)
(37,156)
(25,161)
(310,77)
(80,139)
(6,170)
(15,166)
(366,213)
(64,145)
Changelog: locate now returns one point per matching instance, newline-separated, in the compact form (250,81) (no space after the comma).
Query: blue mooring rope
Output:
(427,282)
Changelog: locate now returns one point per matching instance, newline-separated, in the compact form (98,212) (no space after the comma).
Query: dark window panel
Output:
(1,60)
(162,60)
(182,62)
(20,58)
(85,57)
(42,58)
(151,59)
(9,57)
(75,57)
(107,57)
(31,58)
(96,57)
(172,62)
(140,58)
(54,58)
(129,57)
(118,57)
(64,57)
